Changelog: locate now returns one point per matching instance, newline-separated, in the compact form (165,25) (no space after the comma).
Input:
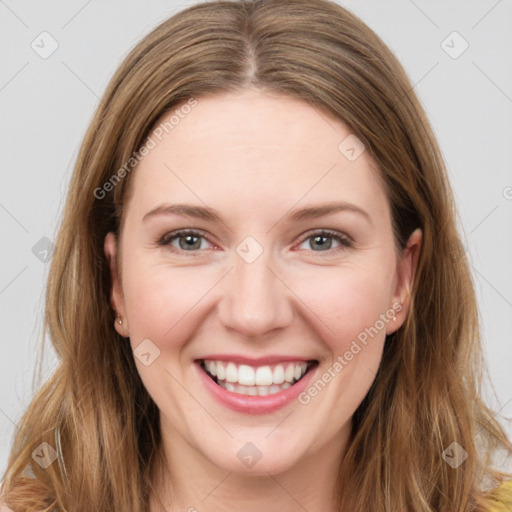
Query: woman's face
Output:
(258,239)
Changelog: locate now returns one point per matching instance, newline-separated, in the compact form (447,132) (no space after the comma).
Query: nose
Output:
(255,300)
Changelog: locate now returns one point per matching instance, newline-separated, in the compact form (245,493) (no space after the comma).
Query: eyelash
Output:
(344,241)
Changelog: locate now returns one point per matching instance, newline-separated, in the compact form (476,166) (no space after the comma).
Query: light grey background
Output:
(47,103)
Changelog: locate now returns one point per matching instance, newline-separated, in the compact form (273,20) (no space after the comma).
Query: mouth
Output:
(256,381)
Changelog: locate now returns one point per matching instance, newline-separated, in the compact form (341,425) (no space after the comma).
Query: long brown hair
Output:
(94,410)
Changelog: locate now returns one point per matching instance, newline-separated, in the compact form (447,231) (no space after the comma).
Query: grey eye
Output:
(189,242)
(320,242)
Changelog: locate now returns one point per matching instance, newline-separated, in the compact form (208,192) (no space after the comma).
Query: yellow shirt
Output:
(502,496)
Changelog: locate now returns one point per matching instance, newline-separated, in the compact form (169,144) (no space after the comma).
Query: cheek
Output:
(161,300)
(348,306)
(162,305)
(347,303)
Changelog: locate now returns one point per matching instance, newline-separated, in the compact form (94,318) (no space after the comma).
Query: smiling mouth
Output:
(256,381)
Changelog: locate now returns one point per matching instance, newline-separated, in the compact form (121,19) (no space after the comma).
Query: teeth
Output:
(261,381)
(263,390)
(212,367)
(246,375)
(289,373)
(263,376)
(253,390)
(221,372)
(278,374)
(231,373)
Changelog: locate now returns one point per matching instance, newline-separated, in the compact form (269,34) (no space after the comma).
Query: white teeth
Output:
(246,375)
(212,367)
(263,376)
(253,390)
(298,372)
(243,390)
(260,381)
(231,373)
(278,374)
(221,372)
(263,390)
(289,373)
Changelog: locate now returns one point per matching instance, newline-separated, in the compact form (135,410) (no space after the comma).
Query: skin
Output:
(253,157)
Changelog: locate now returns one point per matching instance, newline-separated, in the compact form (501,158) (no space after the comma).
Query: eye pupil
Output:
(323,242)
(191,242)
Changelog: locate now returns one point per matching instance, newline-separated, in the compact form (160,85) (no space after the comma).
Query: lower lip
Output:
(255,404)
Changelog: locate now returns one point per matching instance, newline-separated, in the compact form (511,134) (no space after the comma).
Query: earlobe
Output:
(116,291)
(406,271)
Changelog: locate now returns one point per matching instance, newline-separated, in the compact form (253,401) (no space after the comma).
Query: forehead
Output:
(250,147)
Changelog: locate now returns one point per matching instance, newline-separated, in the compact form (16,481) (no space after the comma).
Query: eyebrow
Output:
(297,215)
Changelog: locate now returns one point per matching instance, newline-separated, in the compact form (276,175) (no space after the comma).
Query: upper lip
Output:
(255,361)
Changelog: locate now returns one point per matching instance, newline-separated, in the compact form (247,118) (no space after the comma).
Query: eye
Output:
(322,240)
(185,240)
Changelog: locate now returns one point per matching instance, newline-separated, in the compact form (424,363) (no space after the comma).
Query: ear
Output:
(116,293)
(406,270)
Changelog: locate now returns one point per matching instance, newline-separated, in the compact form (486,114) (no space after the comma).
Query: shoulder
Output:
(501,497)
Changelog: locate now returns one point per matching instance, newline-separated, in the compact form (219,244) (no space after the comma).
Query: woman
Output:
(258,295)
